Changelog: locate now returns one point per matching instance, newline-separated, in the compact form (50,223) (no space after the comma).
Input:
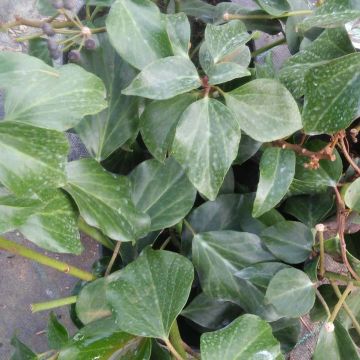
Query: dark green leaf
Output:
(247,337)
(277,170)
(165,78)
(291,292)
(266,69)
(137,32)
(289,241)
(158,123)
(265,110)
(196,8)
(162,191)
(274,7)
(331,44)
(287,331)
(102,340)
(248,147)
(206,142)
(38,48)
(158,352)
(178,29)
(148,295)
(352,196)
(56,333)
(109,206)
(22,352)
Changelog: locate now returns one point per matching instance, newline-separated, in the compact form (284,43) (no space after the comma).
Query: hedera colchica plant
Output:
(226,188)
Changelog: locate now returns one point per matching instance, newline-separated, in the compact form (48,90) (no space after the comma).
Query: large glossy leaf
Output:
(210,313)
(337,84)
(56,333)
(158,123)
(137,31)
(331,44)
(53,98)
(206,142)
(178,29)
(31,158)
(148,295)
(277,170)
(247,337)
(162,191)
(335,345)
(274,7)
(109,206)
(106,131)
(352,196)
(54,225)
(289,241)
(102,340)
(332,13)
(265,110)
(291,292)
(165,78)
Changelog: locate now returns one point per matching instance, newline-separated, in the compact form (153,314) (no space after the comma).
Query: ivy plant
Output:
(217,181)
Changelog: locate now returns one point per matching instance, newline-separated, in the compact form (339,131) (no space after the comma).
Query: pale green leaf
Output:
(246,338)
(226,71)
(352,196)
(178,30)
(265,109)
(206,142)
(148,295)
(277,170)
(109,206)
(274,7)
(162,191)
(165,78)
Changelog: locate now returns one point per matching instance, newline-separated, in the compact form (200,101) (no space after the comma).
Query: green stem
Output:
(341,301)
(94,13)
(47,305)
(87,11)
(267,17)
(223,93)
(70,39)
(95,234)
(323,302)
(177,6)
(172,349)
(98,30)
(176,340)
(113,258)
(18,249)
(322,253)
(29,37)
(187,224)
(338,277)
(268,47)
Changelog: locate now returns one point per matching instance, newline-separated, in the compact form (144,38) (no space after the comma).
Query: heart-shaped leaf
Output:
(291,292)
(162,191)
(178,29)
(352,196)
(165,78)
(109,206)
(56,333)
(247,337)
(277,170)
(148,295)
(137,32)
(289,241)
(265,110)
(206,142)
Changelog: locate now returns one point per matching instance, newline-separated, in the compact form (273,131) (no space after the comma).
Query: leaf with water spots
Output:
(247,337)
(206,142)
(274,7)
(149,293)
(178,29)
(352,196)
(108,207)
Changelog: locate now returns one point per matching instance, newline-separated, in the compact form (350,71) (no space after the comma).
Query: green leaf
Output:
(289,241)
(248,147)
(56,333)
(106,131)
(150,293)
(91,302)
(53,98)
(265,109)
(54,226)
(109,206)
(336,345)
(274,7)
(266,69)
(287,331)
(310,209)
(247,337)
(31,158)
(337,83)
(158,352)
(331,44)
(22,352)
(44,7)
(222,40)
(223,72)
(352,196)
(162,191)
(38,48)
(165,78)
(102,340)
(291,292)
(100,2)
(206,142)
(178,30)
(137,32)
(158,123)
(277,170)
(209,313)
(332,13)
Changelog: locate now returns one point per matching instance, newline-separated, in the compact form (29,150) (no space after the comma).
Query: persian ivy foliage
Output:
(209,164)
